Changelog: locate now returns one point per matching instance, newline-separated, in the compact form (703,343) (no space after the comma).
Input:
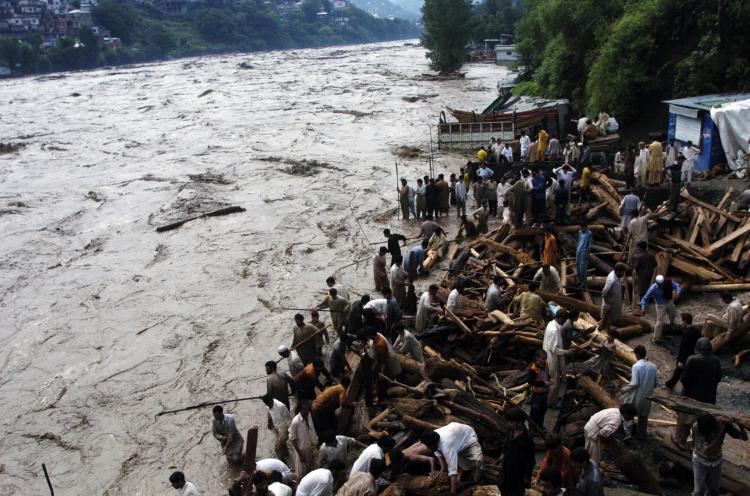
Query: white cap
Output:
(659,279)
(283,349)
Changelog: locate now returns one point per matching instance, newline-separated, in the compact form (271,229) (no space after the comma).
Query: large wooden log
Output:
(410,365)
(729,238)
(684,193)
(595,310)
(416,423)
(437,369)
(362,373)
(600,395)
(520,256)
(720,287)
(684,404)
(692,269)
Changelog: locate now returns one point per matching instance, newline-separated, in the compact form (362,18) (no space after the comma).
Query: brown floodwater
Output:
(104,322)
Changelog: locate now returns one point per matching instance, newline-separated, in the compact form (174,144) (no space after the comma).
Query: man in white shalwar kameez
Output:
(691,154)
(553,345)
(304,440)
(641,164)
(426,308)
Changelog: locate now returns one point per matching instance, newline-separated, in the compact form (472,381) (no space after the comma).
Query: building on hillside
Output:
(284,8)
(112,43)
(690,119)
(174,7)
(340,4)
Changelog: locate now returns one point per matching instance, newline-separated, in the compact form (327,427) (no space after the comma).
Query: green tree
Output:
(447,30)
(214,24)
(119,17)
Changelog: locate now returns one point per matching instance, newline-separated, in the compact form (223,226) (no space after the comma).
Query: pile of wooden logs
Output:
(476,365)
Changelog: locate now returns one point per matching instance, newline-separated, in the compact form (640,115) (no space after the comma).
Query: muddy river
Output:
(104,322)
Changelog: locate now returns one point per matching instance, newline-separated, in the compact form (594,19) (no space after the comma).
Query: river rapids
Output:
(104,322)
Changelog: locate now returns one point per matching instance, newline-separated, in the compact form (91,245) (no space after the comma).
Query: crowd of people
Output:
(308,405)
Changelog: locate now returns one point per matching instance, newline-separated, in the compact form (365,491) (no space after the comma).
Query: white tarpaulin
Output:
(733,121)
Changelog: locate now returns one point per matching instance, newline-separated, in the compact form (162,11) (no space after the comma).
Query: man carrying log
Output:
(456,447)
(700,378)
(708,437)
(643,380)
(531,304)
(326,403)
(556,353)
(309,378)
(604,425)
(612,297)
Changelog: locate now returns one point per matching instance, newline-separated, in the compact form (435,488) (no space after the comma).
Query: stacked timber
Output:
(476,361)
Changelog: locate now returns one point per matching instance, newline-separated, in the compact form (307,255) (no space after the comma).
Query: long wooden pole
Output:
(46,476)
(398,194)
(207,403)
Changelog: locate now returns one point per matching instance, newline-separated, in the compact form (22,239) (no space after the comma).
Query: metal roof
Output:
(706,102)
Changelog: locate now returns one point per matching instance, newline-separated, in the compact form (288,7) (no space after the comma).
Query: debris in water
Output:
(209,177)
(405,151)
(11,147)
(205,93)
(355,113)
(245,65)
(417,98)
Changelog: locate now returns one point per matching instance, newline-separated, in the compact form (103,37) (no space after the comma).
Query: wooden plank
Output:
(703,229)
(728,239)
(695,225)
(520,256)
(508,280)
(739,245)
(688,268)
(251,448)
(460,323)
(699,250)
(684,194)
(720,287)
(680,403)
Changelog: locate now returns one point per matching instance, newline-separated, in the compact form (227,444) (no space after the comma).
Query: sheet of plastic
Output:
(733,121)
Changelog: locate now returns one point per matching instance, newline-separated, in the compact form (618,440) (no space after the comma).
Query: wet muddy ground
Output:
(104,322)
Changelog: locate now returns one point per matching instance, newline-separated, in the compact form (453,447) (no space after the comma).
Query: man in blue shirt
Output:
(538,196)
(664,292)
(583,248)
(419,254)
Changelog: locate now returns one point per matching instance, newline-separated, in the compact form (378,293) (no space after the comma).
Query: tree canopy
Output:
(621,54)
(447,30)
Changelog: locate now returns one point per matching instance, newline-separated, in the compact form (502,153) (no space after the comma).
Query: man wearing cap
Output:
(612,297)
(675,177)
(700,378)
(292,359)
(664,291)
(556,353)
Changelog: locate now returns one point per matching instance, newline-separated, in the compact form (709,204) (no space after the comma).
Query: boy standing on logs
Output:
(539,382)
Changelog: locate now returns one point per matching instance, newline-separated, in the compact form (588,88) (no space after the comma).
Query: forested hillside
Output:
(621,54)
